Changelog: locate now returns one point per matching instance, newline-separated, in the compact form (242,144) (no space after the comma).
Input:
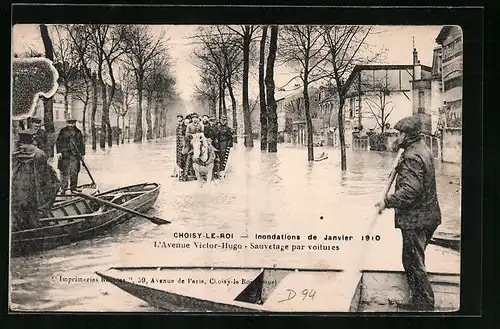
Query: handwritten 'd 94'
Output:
(306,294)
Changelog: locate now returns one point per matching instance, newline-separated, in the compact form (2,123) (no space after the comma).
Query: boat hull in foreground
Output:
(225,289)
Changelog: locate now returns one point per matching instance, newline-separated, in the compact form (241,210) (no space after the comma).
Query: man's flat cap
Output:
(409,125)
(71,120)
(36,120)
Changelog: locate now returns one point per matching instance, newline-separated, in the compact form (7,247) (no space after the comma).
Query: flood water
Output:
(262,194)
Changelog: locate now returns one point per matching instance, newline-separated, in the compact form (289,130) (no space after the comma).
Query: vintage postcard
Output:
(235,168)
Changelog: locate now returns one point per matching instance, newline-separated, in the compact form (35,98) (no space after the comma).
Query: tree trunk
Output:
(224,107)
(343,163)
(117,129)
(246,108)
(48,112)
(272,116)
(220,98)
(149,132)
(262,92)
(138,124)
(84,114)
(66,104)
(309,127)
(123,128)
(157,119)
(107,105)
(129,128)
(104,97)
(93,113)
(233,104)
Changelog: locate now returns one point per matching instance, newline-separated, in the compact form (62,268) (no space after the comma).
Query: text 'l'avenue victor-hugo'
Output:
(260,242)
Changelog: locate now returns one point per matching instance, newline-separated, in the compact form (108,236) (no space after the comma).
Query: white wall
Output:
(436,101)
(402,108)
(452,146)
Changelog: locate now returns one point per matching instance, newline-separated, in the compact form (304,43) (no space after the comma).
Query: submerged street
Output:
(262,194)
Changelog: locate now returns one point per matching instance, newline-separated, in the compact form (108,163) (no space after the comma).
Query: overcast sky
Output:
(396,39)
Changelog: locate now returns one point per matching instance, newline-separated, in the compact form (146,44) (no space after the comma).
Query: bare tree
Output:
(119,109)
(246,33)
(206,92)
(67,63)
(149,90)
(262,91)
(106,44)
(127,87)
(233,61)
(272,117)
(48,114)
(80,37)
(346,45)
(159,85)
(376,97)
(142,47)
(165,94)
(210,57)
(83,92)
(304,49)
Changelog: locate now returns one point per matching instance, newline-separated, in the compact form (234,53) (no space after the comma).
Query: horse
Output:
(203,157)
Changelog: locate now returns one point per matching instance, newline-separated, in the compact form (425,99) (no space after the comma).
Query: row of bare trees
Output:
(224,56)
(313,53)
(113,66)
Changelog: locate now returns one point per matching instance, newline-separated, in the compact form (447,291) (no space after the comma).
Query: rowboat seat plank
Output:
(308,292)
(206,284)
(59,212)
(70,211)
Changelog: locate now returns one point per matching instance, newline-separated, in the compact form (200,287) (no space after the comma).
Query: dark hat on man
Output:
(180,116)
(26,136)
(71,120)
(194,115)
(36,120)
(409,125)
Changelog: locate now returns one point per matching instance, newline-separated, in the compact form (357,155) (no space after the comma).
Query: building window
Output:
(421,101)
(351,108)
(57,114)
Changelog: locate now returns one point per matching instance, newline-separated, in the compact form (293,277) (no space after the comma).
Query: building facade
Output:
(427,100)
(378,96)
(450,39)
(328,112)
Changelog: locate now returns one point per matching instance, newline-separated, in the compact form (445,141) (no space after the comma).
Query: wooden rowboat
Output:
(321,157)
(90,189)
(78,218)
(230,289)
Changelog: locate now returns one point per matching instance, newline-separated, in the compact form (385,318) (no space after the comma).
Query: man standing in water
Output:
(41,135)
(179,134)
(225,141)
(70,147)
(34,183)
(417,211)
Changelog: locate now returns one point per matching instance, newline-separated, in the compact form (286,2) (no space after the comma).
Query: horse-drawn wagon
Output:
(199,158)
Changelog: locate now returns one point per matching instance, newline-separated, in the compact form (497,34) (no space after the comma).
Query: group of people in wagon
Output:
(220,136)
